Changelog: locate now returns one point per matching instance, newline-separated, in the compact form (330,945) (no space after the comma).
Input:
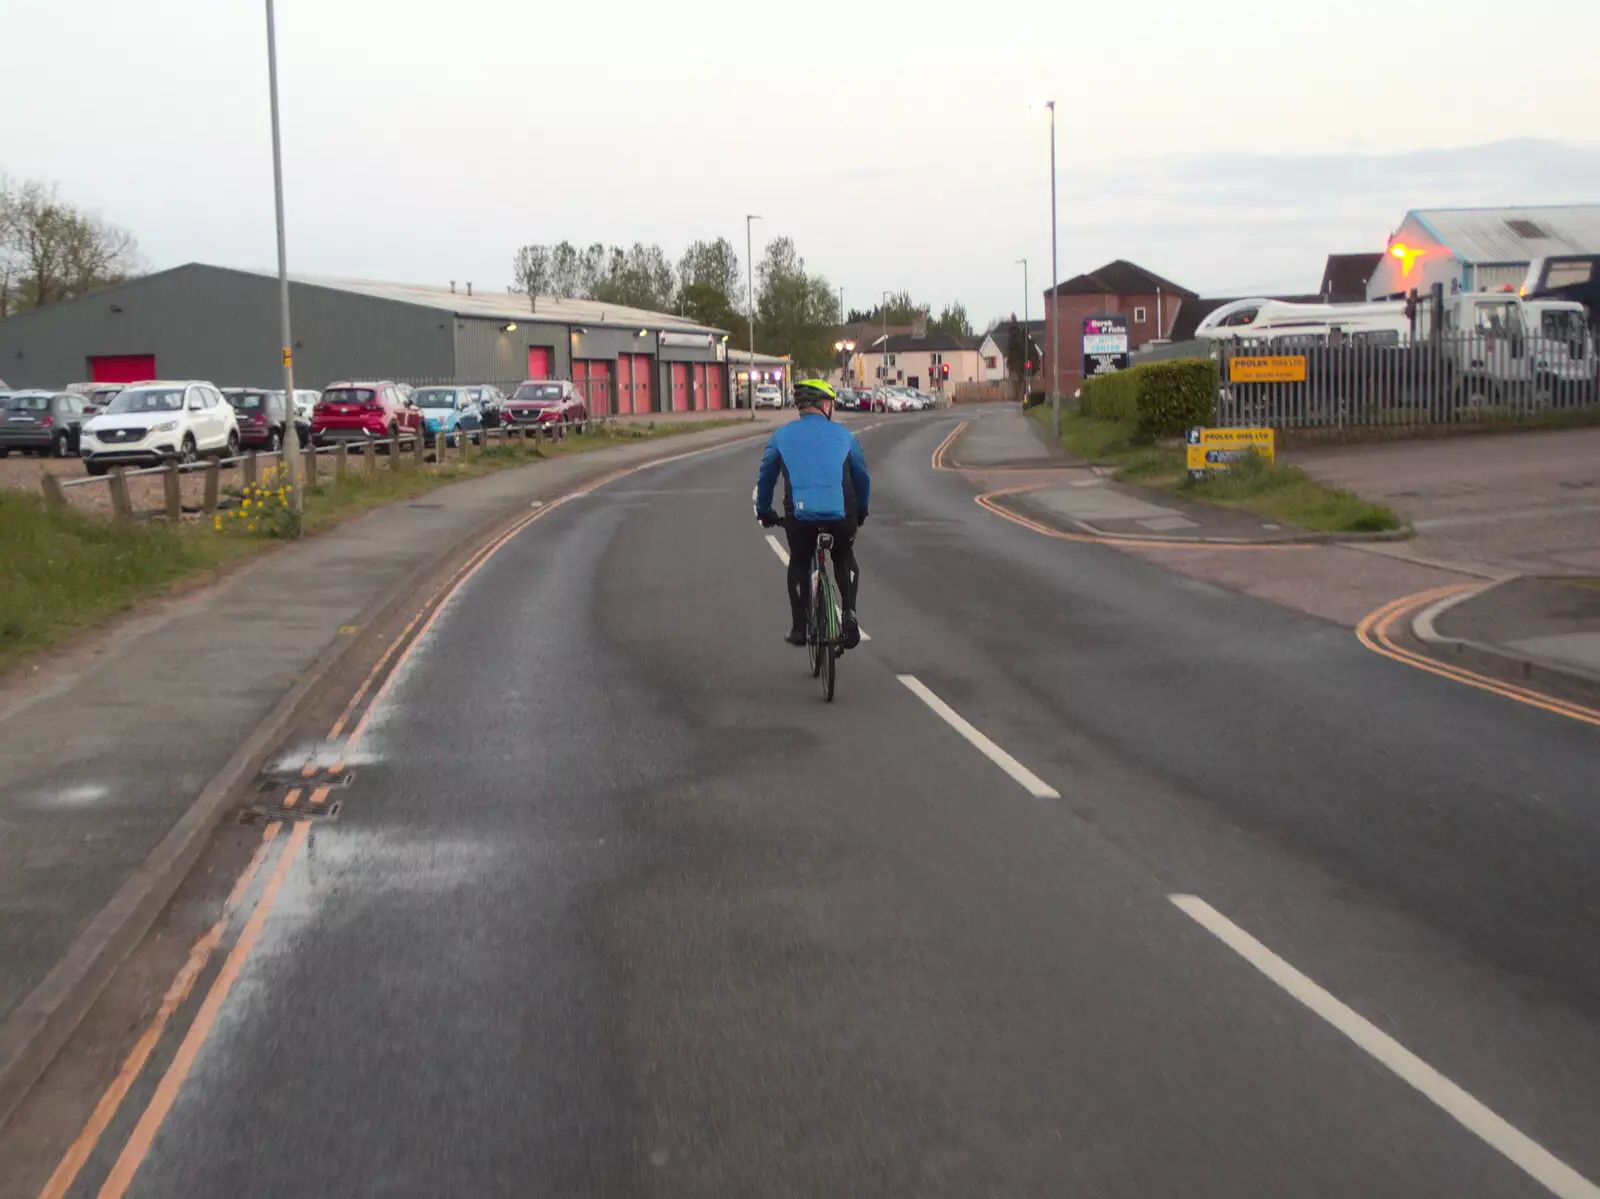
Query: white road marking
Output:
(1527,1155)
(1031,782)
(783,556)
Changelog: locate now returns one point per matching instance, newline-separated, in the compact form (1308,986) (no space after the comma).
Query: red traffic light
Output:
(944,369)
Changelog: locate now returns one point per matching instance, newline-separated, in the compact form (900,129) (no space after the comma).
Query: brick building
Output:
(1148,301)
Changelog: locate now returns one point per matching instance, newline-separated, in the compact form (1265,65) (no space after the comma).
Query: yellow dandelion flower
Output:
(247,503)
(217,524)
(252,528)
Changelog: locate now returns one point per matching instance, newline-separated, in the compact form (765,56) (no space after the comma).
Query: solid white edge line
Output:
(1527,1155)
(783,556)
(1031,782)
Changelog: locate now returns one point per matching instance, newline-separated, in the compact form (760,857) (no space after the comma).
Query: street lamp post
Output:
(843,350)
(1055,281)
(884,304)
(1027,336)
(291,439)
(750,299)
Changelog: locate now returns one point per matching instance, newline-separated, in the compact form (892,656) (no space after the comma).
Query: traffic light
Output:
(944,369)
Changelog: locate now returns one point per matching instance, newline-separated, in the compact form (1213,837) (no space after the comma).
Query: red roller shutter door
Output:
(680,387)
(539,362)
(600,403)
(643,388)
(699,400)
(122,368)
(625,383)
(716,377)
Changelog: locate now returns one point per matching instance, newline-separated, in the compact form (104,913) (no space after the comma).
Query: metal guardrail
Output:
(373,451)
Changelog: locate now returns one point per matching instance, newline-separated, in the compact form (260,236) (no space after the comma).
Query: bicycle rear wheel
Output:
(828,617)
(816,630)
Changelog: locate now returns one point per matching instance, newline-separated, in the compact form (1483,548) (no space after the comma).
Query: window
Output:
(991,362)
(1138,316)
(1499,318)
(891,359)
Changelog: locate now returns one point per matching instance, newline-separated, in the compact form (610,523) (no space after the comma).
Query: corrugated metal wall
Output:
(204,322)
(483,352)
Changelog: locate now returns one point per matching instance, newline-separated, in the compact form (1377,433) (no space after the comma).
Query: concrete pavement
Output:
(615,905)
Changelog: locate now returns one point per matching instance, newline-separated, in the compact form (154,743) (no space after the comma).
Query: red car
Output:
(546,402)
(349,411)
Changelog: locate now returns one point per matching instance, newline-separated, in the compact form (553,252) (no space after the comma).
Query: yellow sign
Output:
(1219,449)
(288,357)
(1287,368)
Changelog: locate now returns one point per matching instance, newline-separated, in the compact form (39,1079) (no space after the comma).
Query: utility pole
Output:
(291,438)
(1055,282)
(1027,334)
(750,299)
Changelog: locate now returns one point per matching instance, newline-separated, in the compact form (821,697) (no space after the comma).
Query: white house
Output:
(996,344)
(1479,249)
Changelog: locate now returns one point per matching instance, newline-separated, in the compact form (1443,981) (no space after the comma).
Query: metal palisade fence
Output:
(1367,381)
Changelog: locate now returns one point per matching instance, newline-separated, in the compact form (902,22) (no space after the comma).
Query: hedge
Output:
(1165,399)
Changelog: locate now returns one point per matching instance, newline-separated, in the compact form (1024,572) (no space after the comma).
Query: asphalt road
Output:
(617,906)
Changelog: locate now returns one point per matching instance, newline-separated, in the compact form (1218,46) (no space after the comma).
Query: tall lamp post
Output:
(843,350)
(884,305)
(1055,281)
(1027,336)
(291,439)
(750,299)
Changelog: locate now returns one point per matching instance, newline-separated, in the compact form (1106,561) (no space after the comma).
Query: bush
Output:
(1164,399)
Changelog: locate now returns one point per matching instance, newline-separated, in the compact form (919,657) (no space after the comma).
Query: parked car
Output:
(41,422)
(263,418)
(490,400)
(451,413)
(100,396)
(768,395)
(351,410)
(151,423)
(305,403)
(547,402)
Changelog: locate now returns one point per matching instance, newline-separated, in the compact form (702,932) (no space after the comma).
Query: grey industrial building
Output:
(221,324)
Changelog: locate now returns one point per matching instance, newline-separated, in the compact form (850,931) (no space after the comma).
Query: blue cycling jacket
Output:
(823,467)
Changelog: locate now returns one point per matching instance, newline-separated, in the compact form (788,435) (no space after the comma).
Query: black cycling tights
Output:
(803,549)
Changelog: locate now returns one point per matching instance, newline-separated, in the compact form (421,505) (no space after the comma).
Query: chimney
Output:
(469,287)
(452,287)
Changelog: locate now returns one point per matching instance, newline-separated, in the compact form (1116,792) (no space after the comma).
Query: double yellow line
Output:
(1374,630)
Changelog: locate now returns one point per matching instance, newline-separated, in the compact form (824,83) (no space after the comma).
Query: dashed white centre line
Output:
(1031,783)
(1526,1154)
(783,556)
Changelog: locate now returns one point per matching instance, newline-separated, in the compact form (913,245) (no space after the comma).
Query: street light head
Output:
(850,345)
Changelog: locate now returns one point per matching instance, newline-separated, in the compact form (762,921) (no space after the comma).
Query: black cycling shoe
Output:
(797,635)
(850,634)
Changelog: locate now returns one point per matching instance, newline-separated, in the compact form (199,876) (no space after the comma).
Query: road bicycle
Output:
(823,642)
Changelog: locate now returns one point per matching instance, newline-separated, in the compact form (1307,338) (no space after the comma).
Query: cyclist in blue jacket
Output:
(827,489)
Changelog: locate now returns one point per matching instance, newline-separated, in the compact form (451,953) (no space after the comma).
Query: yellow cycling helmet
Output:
(809,393)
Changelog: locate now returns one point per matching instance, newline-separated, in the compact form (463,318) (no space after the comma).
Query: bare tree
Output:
(52,251)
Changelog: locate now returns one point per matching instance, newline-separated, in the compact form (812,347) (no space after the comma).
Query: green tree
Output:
(708,306)
(953,320)
(795,310)
(638,277)
(713,265)
(1016,349)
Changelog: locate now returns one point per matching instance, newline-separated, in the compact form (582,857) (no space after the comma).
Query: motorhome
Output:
(1266,322)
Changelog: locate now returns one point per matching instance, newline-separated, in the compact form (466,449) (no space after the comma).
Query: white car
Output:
(769,395)
(151,423)
(305,403)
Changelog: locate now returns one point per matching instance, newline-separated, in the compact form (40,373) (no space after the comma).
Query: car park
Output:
(450,413)
(353,411)
(546,402)
(41,422)
(263,418)
(151,423)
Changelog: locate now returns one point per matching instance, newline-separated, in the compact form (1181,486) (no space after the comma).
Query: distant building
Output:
(995,349)
(1479,249)
(914,361)
(210,322)
(1345,277)
(1150,303)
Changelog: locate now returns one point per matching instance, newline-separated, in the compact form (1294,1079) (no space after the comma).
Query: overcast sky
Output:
(1229,148)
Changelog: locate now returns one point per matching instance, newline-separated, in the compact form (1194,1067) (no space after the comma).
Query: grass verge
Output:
(1281,493)
(62,570)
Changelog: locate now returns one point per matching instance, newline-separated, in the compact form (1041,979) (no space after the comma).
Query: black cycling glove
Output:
(861,517)
(769,520)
